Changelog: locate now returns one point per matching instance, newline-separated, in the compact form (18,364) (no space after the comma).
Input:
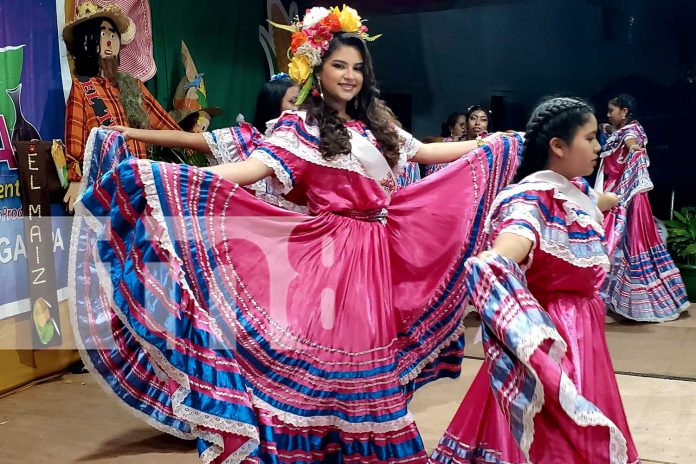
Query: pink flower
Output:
(319,36)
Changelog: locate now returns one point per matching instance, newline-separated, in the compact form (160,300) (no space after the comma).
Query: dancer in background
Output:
(453,130)
(473,125)
(643,284)
(477,120)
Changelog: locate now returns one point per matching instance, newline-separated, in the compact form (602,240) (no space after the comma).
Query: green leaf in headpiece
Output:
(304,91)
(285,27)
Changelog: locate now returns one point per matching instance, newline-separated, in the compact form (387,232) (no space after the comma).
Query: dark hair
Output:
(268,101)
(187,124)
(370,109)
(473,108)
(626,101)
(85,46)
(446,130)
(471,111)
(554,117)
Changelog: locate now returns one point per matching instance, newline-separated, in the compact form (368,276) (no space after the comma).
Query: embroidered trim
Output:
(408,148)
(334,421)
(282,173)
(222,147)
(528,212)
(287,139)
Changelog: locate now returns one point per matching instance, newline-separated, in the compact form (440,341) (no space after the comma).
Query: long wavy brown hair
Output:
(370,109)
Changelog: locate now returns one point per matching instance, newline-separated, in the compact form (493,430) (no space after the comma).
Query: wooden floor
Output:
(72,420)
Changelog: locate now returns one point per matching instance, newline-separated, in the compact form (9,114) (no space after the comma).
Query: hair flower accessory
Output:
(311,37)
(279,76)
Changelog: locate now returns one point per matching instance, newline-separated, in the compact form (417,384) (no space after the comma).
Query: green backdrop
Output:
(223,38)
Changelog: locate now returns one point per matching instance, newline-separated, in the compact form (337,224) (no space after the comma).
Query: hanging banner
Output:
(32,106)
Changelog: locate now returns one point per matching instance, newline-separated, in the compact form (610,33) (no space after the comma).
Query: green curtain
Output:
(223,38)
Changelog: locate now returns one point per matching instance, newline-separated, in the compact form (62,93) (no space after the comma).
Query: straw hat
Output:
(88,10)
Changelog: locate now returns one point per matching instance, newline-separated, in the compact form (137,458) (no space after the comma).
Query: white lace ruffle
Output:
(289,141)
(528,212)
(281,174)
(408,147)
(334,421)
(222,147)
(87,162)
(569,398)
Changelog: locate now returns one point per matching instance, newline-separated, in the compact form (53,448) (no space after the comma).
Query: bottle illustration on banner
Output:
(23,129)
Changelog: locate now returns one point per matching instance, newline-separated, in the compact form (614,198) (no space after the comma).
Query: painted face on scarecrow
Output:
(109,41)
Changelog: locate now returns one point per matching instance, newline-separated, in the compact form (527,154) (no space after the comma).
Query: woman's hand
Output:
(485,255)
(125,131)
(607,201)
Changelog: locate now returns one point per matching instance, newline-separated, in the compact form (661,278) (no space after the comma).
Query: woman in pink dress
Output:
(270,335)
(643,283)
(546,392)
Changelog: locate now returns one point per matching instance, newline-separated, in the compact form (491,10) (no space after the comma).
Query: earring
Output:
(355,103)
(321,91)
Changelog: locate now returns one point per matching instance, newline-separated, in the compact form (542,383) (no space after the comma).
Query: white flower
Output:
(310,52)
(314,15)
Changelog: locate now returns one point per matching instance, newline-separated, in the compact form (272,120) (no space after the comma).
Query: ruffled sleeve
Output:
(553,223)
(232,144)
(283,148)
(409,145)
(516,211)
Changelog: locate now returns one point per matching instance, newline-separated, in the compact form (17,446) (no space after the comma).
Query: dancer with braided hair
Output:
(547,391)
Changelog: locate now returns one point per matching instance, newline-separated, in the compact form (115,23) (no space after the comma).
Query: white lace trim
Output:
(559,250)
(280,172)
(415,372)
(408,148)
(87,162)
(524,351)
(195,417)
(335,421)
(222,147)
(568,397)
(287,140)
(562,252)
(277,200)
(225,151)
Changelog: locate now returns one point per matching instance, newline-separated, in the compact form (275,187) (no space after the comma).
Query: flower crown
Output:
(311,37)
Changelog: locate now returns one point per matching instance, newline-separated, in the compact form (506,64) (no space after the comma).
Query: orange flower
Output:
(298,38)
(331,22)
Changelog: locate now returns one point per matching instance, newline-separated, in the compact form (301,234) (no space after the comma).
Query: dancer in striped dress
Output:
(270,335)
(643,284)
